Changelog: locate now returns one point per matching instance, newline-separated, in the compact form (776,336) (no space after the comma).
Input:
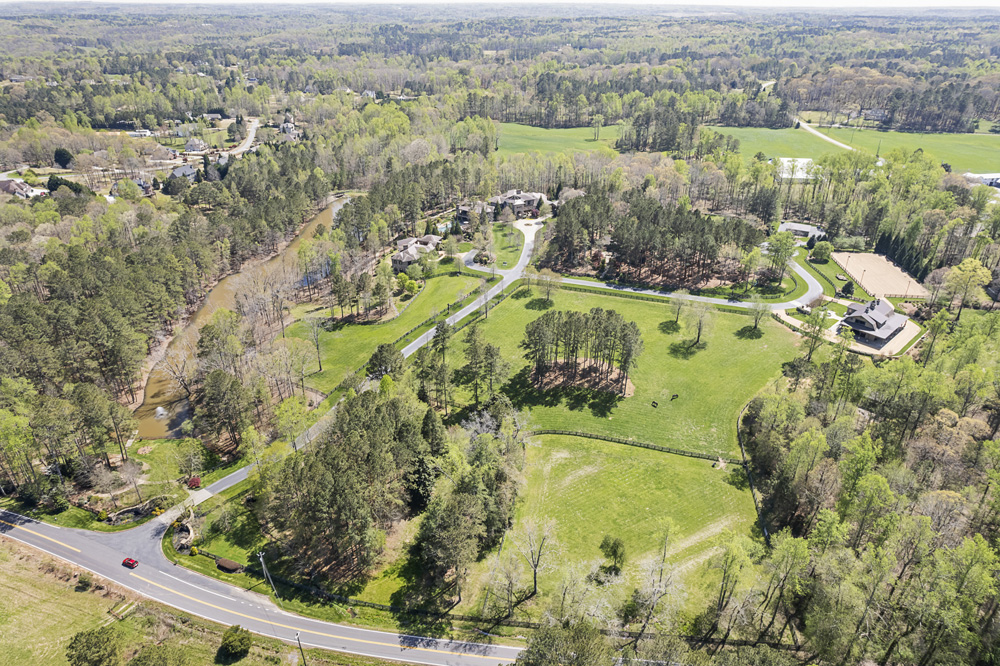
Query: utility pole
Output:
(267,575)
(301,651)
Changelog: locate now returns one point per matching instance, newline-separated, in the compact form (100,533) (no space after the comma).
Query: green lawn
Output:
(703,418)
(829,269)
(964,152)
(777,142)
(347,347)
(591,488)
(507,253)
(515,138)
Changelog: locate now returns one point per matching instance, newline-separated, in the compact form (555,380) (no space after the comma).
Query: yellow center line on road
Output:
(37,534)
(319,633)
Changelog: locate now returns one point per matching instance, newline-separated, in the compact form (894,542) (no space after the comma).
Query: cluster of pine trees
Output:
(601,337)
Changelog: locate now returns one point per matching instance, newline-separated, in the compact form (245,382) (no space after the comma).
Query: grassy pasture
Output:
(591,488)
(515,138)
(347,347)
(703,418)
(964,152)
(788,142)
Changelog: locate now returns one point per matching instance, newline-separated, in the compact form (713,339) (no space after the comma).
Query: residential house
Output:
(876,321)
(522,204)
(877,115)
(184,171)
(463,213)
(369,94)
(145,187)
(212,116)
(195,145)
(140,133)
(18,188)
(410,250)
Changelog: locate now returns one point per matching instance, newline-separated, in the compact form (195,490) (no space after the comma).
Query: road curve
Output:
(214,600)
(248,141)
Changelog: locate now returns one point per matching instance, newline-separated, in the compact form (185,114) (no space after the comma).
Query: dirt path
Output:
(812,130)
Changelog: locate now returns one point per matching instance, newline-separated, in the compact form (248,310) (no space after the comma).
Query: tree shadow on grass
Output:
(521,294)
(737,478)
(420,604)
(749,333)
(523,393)
(539,304)
(686,349)
(669,327)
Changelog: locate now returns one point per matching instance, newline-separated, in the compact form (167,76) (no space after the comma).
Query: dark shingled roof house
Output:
(876,321)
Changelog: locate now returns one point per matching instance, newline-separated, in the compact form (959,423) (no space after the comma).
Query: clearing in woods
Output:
(591,488)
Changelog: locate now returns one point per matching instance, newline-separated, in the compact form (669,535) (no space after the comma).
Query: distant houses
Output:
(184,171)
(876,321)
(411,249)
(522,204)
(195,145)
(145,188)
(17,188)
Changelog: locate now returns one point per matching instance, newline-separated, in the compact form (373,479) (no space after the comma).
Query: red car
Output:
(130,563)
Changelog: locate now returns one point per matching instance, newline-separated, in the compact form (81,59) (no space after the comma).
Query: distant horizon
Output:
(847,6)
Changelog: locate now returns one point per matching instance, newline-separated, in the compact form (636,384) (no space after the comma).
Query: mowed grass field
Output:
(347,347)
(977,153)
(777,142)
(591,488)
(713,380)
(515,138)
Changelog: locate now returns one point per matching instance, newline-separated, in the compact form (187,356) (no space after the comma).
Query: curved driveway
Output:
(160,580)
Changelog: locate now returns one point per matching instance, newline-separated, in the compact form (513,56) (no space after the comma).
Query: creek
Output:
(165,404)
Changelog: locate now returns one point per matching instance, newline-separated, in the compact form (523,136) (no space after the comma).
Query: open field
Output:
(515,138)
(348,346)
(878,276)
(41,609)
(703,418)
(591,488)
(964,152)
(777,142)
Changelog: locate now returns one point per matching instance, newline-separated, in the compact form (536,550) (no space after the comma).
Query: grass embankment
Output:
(591,488)
(703,418)
(515,138)
(348,346)
(964,152)
(43,606)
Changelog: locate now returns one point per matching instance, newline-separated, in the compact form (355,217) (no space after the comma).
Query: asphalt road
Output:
(208,598)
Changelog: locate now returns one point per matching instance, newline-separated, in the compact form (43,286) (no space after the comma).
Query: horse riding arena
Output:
(879,276)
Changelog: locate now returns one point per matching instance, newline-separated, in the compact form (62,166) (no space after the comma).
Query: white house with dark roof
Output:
(876,321)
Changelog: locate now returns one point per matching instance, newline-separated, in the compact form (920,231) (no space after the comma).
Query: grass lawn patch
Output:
(830,269)
(591,489)
(788,142)
(703,418)
(348,346)
(964,152)
(507,253)
(515,138)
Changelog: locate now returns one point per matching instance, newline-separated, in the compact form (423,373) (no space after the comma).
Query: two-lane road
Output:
(228,605)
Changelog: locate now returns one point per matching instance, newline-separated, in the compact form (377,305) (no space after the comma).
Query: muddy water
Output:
(165,405)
